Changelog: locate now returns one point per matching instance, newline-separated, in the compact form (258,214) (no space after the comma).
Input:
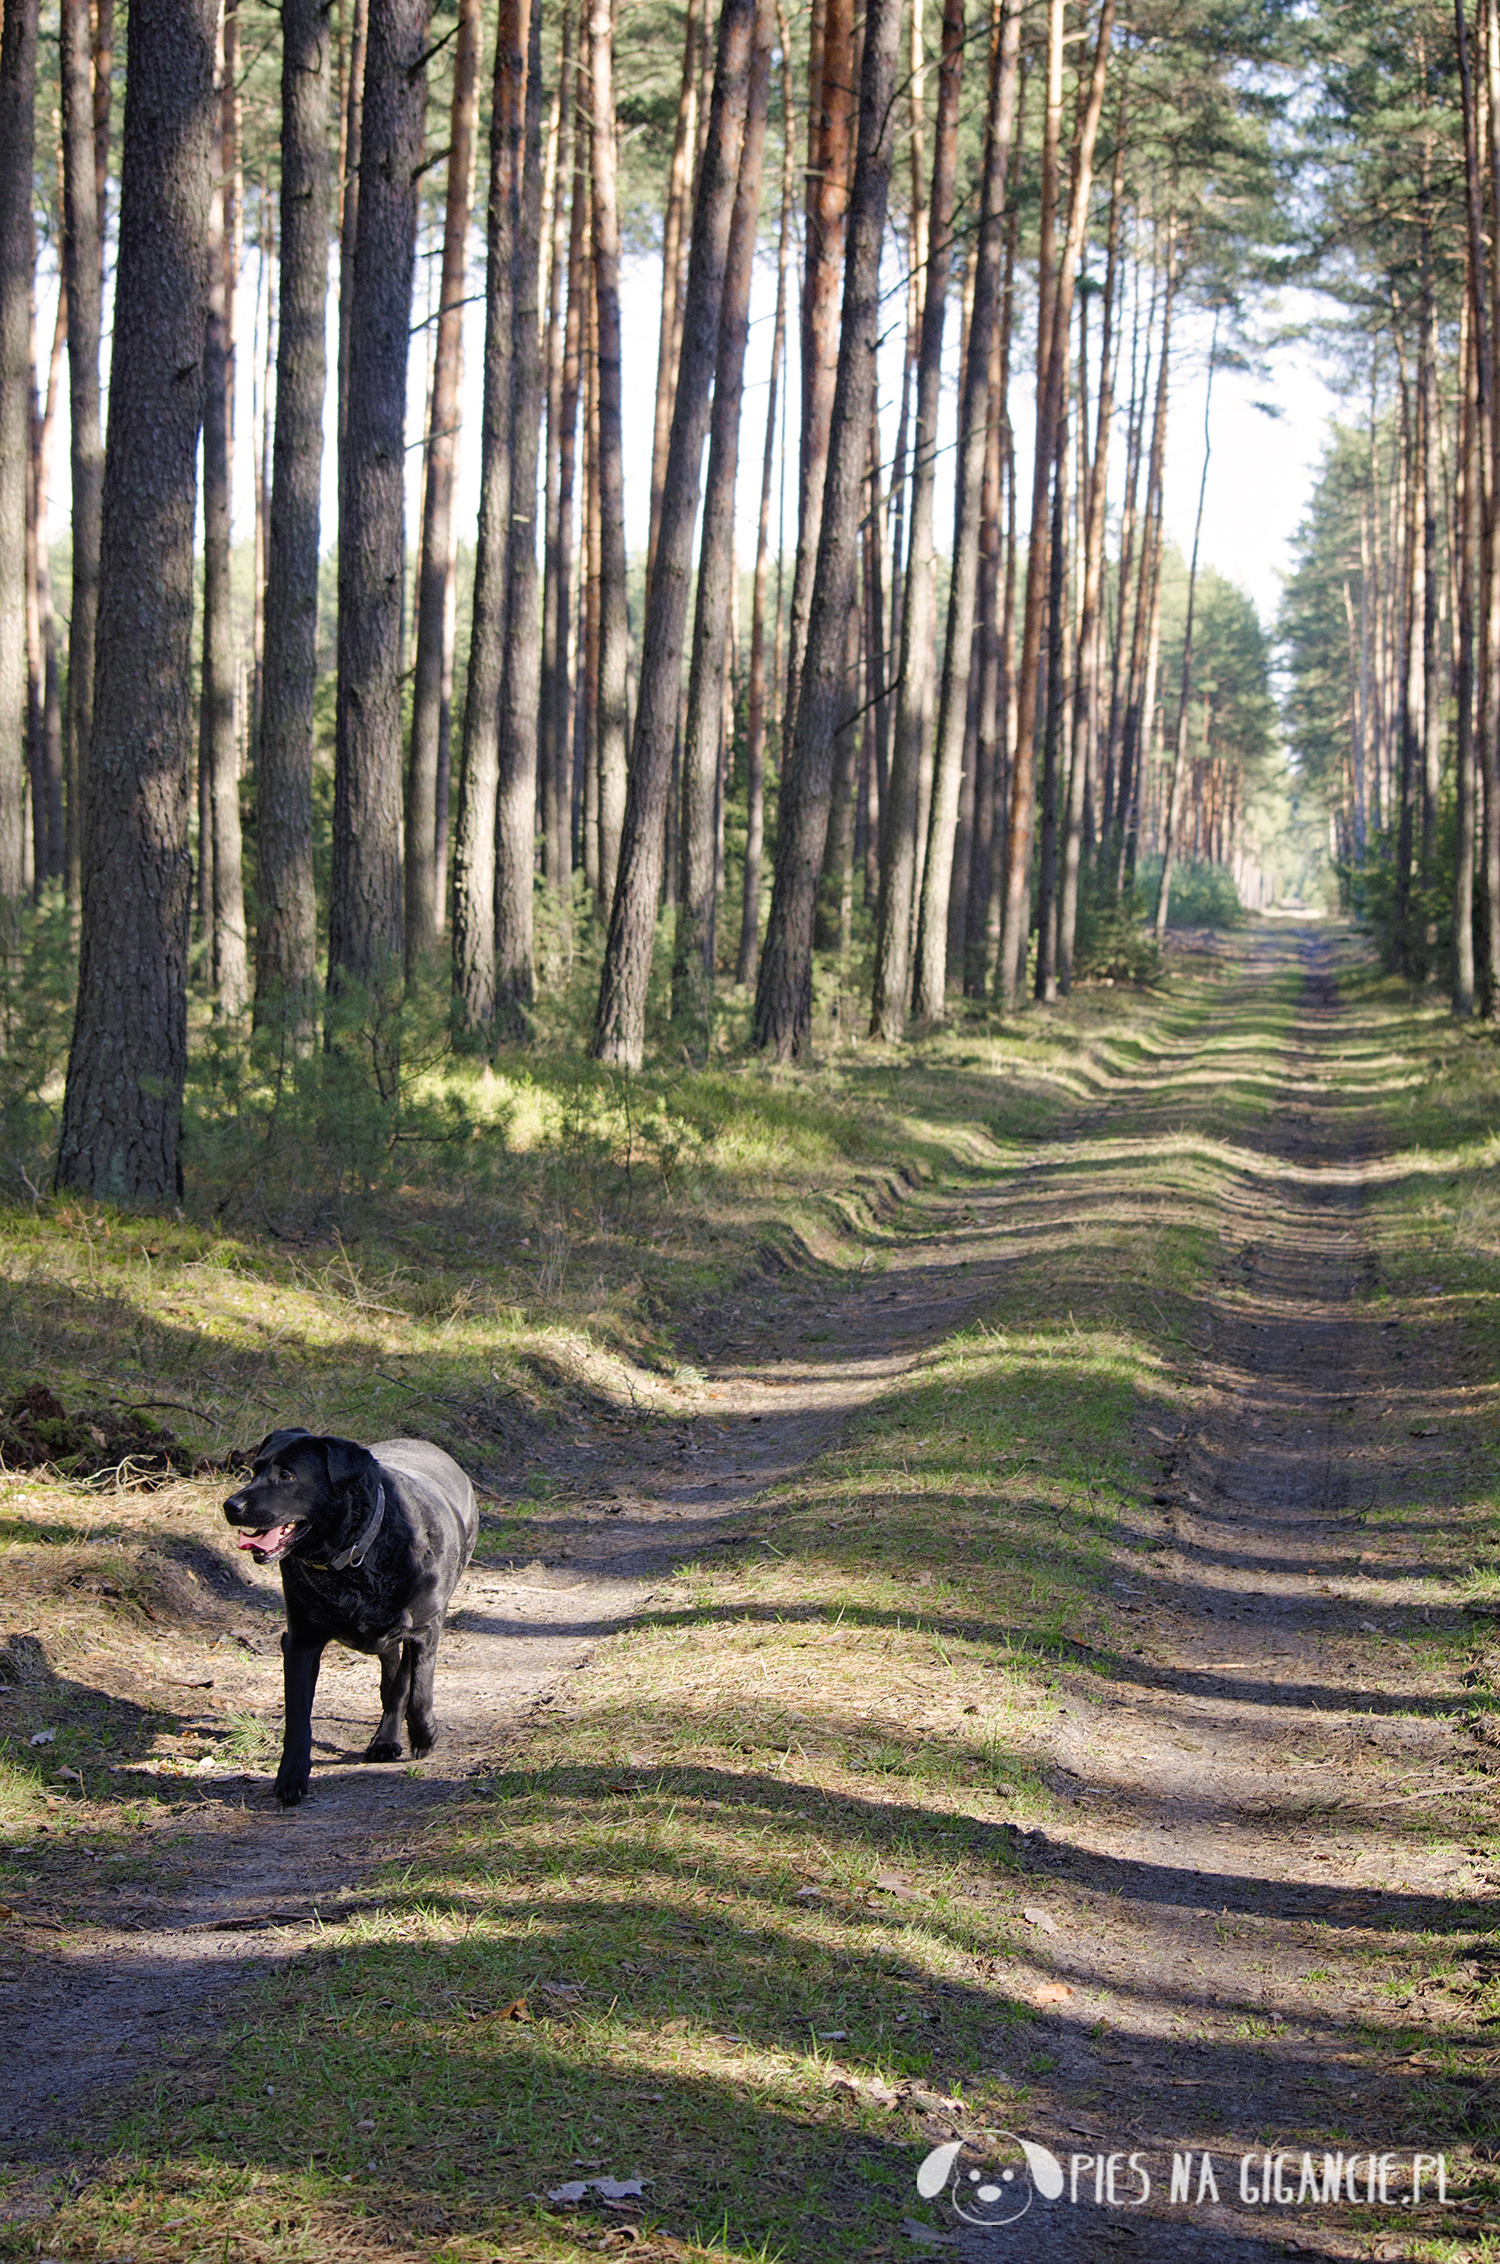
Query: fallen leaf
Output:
(5,1912)
(804,1894)
(1424,1431)
(924,2236)
(517,2009)
(44,1737)
(833,2035)
(1041,1918)
(891,1885)
(575,2190)
(1051,1993)
(71,1775)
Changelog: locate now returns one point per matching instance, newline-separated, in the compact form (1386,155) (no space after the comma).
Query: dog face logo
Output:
(998,2187)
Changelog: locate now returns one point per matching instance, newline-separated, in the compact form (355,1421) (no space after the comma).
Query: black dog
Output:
(372,1542)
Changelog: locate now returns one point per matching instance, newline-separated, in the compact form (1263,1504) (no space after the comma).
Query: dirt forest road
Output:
(1236,1845)
(1232,1841)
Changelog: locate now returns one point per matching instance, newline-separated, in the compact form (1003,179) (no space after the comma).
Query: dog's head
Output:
(308,1496)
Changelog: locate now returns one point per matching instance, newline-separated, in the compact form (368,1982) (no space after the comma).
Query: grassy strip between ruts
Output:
(741,1914)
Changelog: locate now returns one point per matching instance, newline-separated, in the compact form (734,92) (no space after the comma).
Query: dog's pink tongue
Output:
(273,1537)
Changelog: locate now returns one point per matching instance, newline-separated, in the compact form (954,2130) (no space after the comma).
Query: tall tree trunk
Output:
(82,257)
(1483,158)
(286,929)
(592,576)
(1086,671)
(988,741)
(18,42)
(755,725)
(620,1024)
(614,625)
(708,683)
(1408,922)
(515,816)
(1179,750)
(49,812)
(673,263)
(218,749)
(783,1001)
(32,805)
(479,774)
(352,134)
(562,429)
(931,974)
(1478,522)
(918,671)
(1056,282)
(424,908)
(1140,681)
(1432,570)
(1463,764)
(1116,792)
(1052,730)
(365,906)
(122,1107)
(829,116)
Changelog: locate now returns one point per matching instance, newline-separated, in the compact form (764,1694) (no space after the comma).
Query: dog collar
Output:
(356,1552)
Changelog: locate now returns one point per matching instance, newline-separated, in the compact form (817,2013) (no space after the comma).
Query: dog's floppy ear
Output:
(272,1444)
(346,1463)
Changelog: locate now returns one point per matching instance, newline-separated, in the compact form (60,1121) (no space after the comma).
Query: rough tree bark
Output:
(783,1000)
(673,273)
(917,678)
(614,626)
(693,955)
(620,1024)
(479,773)
(352,129)
(1086,667)
(931,972)
(755,713)
(219,847)
(365,897)
(285,936)
(48,805)
(1179,745)
(1057,279)
(121,1110)
(82,268)
(1480,514)
(830,106)
(562,430)
(424,907)
(17,119)
(515,811)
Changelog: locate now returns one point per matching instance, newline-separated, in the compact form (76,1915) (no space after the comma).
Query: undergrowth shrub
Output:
(1110,941)
(37,1009)
(1203,894)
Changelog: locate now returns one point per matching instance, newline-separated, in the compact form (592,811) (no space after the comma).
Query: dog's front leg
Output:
(301,1657)
(419,1721)
(395,1681)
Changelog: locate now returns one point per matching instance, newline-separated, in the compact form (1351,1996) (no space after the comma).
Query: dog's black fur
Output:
(372,1542)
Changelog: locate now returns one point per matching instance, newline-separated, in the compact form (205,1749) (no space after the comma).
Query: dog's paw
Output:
(383,1749)
(290,1789)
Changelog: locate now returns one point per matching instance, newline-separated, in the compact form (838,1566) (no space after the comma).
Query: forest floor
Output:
(1028,1667)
